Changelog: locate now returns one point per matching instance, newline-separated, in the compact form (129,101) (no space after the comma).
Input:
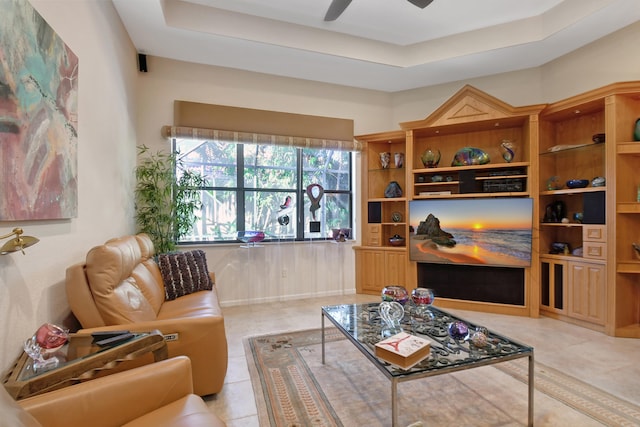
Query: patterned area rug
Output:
(293,388)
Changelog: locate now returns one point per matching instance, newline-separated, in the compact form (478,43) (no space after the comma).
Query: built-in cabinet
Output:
(590,137)
(584,268)
(379,262)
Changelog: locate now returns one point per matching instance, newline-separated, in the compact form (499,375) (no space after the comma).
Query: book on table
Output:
(403,350)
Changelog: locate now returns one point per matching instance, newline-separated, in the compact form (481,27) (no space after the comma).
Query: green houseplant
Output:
(165,204)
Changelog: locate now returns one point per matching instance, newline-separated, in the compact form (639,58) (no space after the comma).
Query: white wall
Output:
(32,285)
(611,59)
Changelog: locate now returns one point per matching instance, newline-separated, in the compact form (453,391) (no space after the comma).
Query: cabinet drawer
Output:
(374,235)
(594,233)
(594,250)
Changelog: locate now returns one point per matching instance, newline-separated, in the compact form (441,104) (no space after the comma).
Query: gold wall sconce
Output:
(19,243)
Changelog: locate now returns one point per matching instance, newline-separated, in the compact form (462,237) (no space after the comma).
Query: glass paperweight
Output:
(479,337)
(395,293)
(458,330)
(44,343)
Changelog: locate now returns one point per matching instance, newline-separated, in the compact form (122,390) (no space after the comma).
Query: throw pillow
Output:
(184,273)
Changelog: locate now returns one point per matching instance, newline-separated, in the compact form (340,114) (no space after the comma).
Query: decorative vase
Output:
(430,158)
(385,160)
(396,240)
(46,341)
(422,296)
(395,293)
(399,159)
(636,131)
(393,190)
(508,150)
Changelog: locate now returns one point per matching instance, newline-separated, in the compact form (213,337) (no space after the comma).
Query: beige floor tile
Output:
(605,362)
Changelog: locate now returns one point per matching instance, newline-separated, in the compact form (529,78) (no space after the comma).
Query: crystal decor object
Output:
(395,293)
(391,313)
(508,150)
(430,158)
(46,341)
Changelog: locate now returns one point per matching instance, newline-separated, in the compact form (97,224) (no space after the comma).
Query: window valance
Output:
(183,132)
(247,125)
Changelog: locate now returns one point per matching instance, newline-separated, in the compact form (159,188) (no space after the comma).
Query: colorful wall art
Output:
(38,118)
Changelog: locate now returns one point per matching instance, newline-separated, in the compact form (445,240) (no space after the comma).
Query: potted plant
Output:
(165,204)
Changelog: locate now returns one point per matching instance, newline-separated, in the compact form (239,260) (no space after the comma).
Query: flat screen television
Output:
(489,232)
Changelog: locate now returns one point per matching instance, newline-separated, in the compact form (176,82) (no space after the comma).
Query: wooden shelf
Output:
(632,267)
(433,184)
(474,195)
(436,171)
(631,148)
(572,191)
(388,199)
(628,208)
(569,148)
(560,224)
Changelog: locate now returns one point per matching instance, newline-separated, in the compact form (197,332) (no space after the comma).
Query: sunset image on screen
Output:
(493,231)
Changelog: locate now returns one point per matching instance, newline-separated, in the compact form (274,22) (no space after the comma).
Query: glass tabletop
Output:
(79,347)
(363,324)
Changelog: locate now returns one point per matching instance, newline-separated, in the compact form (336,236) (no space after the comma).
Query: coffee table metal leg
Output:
(394,403)
(531,389)
(322,316)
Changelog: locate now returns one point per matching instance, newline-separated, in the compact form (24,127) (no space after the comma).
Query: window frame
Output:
(240,191)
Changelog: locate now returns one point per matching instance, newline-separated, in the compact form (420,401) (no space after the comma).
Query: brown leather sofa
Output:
(160,394)
(120,287)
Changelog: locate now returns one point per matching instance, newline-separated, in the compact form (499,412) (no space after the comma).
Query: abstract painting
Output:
(38,118)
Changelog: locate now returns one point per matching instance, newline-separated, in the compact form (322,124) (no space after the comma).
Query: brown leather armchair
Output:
(120,287)
(156,395)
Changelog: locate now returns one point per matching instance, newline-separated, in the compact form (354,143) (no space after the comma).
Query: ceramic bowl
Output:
(577,183)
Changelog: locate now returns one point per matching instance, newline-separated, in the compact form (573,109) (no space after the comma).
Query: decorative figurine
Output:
(508,150)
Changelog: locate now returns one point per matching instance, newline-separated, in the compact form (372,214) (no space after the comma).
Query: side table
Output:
(80,360)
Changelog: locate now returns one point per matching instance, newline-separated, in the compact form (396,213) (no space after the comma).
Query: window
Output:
(264,187)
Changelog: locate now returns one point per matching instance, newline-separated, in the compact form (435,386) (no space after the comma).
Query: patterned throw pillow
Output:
(184,273)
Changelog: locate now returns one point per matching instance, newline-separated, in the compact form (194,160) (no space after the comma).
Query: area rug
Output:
(293,388)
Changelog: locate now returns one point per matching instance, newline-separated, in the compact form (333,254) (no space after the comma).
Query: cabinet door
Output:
(553,279)
(587,293)
(395,268)
(372,271)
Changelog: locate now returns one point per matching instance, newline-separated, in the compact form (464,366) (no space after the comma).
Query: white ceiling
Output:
(387,45)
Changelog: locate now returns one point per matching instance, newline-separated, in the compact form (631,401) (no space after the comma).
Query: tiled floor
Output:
(612,364)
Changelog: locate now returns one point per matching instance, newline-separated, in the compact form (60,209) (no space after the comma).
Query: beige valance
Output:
(182,132)
(247,125)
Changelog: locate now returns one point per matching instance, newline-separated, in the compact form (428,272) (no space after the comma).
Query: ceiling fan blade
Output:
(335,9)
(421,3)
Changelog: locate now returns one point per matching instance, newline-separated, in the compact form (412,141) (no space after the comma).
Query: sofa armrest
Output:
(115,399)
(203,339)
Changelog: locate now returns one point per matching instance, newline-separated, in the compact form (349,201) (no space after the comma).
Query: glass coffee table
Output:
(363,326)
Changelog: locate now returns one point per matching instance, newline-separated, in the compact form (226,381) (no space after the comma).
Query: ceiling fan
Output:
(338,6)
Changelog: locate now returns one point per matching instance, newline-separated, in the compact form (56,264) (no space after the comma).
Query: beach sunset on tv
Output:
(494,232)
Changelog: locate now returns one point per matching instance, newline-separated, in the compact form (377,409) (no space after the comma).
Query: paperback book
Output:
(403,350)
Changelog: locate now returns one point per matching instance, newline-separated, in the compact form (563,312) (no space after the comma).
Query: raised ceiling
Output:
(386,45)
